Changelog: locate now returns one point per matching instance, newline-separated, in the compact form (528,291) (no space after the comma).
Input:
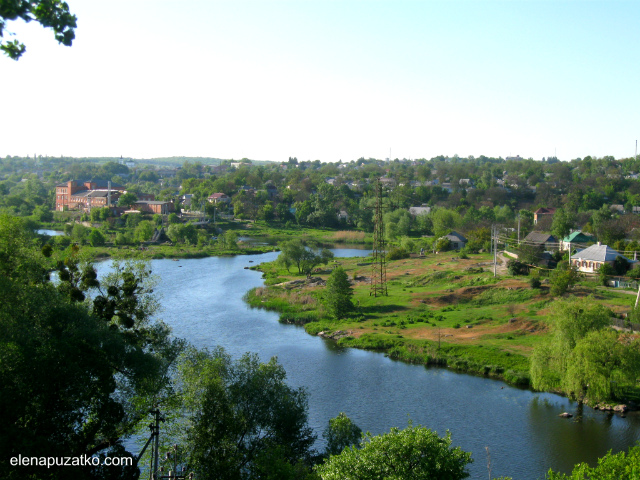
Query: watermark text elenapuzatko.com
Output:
(81,461)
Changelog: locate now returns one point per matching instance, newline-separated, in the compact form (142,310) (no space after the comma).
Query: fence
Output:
(623,323)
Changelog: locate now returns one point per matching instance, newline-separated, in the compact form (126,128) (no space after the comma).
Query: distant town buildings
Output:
(75,195)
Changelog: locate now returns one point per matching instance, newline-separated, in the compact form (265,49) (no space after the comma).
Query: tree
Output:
(96,238)
(529,254)
(229,240)
(127,199)
(295,252)
(77,374)
(183,233)
(620,265)
(517,268)
(444,220)
(42,214)
(338,293)
(600,362)
(442,244)
(243,420)
(415,453)
(604,272)
(80,233)
(144,231)
(52,14)
(573,320)
(340,434)
(561,224)
(563,277)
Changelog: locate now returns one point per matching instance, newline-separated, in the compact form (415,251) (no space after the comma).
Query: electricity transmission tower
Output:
(379,266)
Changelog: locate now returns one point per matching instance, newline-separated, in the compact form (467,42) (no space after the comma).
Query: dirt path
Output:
(501,264)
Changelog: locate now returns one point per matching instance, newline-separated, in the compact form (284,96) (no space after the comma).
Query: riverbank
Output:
(158,252)
(441,310)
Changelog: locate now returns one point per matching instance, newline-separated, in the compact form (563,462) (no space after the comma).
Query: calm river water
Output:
(202,300)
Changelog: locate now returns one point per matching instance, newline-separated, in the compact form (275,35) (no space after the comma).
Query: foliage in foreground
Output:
(619,466)
(242,420)
(415,453)
(77,374)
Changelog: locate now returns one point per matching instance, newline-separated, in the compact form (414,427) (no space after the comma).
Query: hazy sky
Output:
(328,79)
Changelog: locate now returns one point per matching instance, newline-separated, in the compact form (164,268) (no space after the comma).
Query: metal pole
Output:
(156,459)
(495,251)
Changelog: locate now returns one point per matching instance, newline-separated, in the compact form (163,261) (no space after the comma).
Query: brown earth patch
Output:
(462,295)
(470,334)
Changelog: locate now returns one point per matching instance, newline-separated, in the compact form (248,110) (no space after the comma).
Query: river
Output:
(202,301)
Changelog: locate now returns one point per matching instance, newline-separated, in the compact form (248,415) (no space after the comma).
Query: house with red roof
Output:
(538,214)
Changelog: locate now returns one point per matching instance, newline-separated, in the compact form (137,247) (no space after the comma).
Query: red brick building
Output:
(75,195)
(163,208)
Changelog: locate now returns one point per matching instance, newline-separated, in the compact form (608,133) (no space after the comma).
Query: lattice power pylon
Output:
(379,267)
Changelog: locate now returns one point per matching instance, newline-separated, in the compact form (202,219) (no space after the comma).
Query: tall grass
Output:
(348,236)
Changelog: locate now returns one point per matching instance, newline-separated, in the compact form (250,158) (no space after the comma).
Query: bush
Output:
(534,282)
(517,268)
(634,272)
(604,272)
(396,253)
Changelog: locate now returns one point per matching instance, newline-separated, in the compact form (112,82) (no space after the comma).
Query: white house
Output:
(592,258)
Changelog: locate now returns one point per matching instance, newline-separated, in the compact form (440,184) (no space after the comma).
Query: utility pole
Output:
(155,432)
(494,236)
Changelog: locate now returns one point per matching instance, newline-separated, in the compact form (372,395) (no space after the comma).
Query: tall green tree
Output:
(561,224)
(338,293)
(341,433)
(243,420)
(582,356)
(127,199)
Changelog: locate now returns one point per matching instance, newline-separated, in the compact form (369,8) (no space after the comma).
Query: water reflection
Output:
(589,434)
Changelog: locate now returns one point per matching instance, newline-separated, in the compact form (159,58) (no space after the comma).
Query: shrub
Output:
(517,268)
(604,272)
(396,253)
(534,282)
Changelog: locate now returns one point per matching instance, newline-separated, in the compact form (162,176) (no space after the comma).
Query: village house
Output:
(590,259)
(538,214)
(457,241)
(548,242)
(219,198)
(576,239)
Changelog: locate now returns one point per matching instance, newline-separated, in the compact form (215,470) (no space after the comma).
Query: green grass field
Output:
(440,310)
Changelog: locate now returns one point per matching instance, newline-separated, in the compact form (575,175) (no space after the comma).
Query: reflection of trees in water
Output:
(560,443)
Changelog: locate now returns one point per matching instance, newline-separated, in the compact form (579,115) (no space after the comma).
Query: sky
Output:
(328,80)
